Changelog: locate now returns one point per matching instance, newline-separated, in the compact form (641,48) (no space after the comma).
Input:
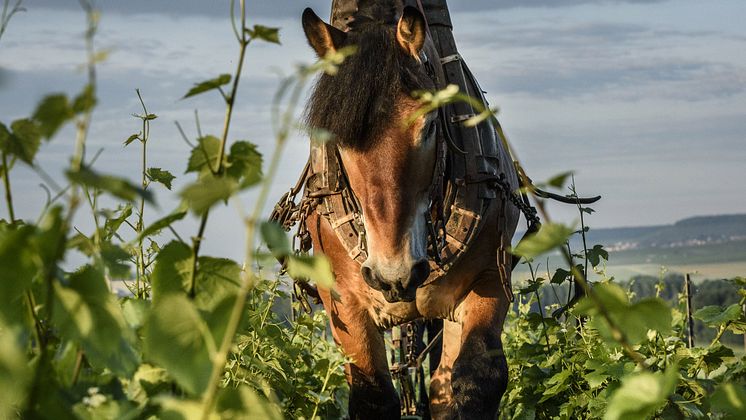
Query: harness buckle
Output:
(461,118)
(450,58)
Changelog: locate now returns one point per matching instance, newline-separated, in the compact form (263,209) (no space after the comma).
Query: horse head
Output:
(388,156)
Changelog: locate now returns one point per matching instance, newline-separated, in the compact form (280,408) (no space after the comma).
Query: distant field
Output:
(728,252)
(699,271)
(627,271)
(712,261)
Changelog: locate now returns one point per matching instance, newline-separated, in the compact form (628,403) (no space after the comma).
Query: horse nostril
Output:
(373,280)
(419,273)
(367,273)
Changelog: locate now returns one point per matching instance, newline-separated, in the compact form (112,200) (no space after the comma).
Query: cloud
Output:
(214,8)
(481,5)
(626,80)
(644,107)
(291,8)
(609,60)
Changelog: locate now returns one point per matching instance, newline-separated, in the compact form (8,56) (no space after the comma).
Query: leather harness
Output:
(466,179)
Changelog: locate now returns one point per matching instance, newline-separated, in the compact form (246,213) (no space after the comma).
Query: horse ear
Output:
(411,31)
(321,36)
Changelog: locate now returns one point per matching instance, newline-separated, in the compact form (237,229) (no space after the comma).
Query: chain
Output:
(518,200)
(404,338)
(287,214)
(411,345)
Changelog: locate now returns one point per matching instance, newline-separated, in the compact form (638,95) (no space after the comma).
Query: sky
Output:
(644,100)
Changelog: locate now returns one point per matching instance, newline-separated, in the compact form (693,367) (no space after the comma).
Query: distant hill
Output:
(693,231)
(715,246)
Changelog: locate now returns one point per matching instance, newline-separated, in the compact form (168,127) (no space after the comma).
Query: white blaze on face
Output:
(404,159)
(413,247)
(418,233)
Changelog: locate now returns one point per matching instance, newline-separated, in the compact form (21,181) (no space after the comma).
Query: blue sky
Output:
(645,100)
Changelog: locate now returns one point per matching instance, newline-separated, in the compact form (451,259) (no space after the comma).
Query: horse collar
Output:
(461,188)
(453,218)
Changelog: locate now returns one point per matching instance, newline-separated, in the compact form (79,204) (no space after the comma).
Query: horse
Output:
(390,163)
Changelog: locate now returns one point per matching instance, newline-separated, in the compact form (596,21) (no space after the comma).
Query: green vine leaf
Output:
(712,356)
(172,271)
(177,338)
(16,372)
(556,384)
(558,181)
(208,85)
(217,279)
(86,311)
(314,268)
(532,286)
(4,138)
(178,408)
(205,193)
(642,394)
(560,276)
(264,33)
(244,164)
(204,156)
(160,224)
(276,239)
(114,221)
(116,260)
(244,402)
(634,320)
(85,101)
(17,256)
(715,316)
(549,237)
(52,112)
(23,140)
(730,398)
(131,138)
(161,176)
(596,254)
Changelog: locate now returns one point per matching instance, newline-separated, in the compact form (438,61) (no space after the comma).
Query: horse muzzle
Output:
(396,283)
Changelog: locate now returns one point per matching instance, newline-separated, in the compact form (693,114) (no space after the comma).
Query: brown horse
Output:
(389,162)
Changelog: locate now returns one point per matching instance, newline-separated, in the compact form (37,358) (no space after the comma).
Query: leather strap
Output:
(459,204)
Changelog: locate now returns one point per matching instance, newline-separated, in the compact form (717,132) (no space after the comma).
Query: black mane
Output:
(358,103)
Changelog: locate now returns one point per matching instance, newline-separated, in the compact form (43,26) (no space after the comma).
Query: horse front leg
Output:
(372,393)
(474,364)
(480,372)
(442,404)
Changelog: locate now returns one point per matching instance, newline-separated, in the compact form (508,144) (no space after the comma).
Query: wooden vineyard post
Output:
(689,319)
